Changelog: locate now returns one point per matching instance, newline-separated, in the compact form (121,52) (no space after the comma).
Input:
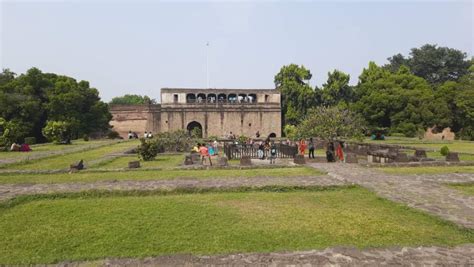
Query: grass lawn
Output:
(91,227)
(155,175)
(466,188)
(428,170)
(63,161)
(162,161)
(455,146)
(50,147)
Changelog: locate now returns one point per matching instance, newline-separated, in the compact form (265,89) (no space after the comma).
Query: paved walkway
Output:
(421,256)
(11,190)
(425,192)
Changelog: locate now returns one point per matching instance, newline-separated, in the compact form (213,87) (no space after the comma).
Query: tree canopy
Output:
(30,99)
(132,100)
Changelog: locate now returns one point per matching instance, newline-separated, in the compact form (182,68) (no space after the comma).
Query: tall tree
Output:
(432,63)
(400,101)
(337,89)
(297,96)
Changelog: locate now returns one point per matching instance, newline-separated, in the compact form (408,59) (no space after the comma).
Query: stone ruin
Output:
(445,134)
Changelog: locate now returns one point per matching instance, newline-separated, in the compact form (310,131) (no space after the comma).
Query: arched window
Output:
(232,98)
(190,98)
(222,98)
(242,98)
(195,127)
(201,98)
(211,98)
(272,135)
(252,98)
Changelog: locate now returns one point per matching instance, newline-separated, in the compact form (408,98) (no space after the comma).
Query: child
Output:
(273,152)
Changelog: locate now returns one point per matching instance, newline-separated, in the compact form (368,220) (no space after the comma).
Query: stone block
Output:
(188,160)
(420,153)
(452,157)
(195,158)
(134,164)
(245,161)
(222,162)
(401,157)
(299,159)
(351,158)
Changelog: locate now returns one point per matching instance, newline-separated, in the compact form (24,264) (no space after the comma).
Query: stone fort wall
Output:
(215,118)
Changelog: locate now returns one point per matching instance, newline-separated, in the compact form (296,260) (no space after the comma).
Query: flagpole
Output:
(207,64)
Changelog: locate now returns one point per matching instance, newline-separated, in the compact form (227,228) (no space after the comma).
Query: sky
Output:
(138,47)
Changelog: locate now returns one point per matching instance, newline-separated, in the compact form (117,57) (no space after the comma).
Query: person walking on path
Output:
(339,152)
(311,148)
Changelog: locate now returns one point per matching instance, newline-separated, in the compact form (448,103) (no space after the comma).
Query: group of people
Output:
(134,135)
(206,151)
(332,153)
(267,148)
(20,148)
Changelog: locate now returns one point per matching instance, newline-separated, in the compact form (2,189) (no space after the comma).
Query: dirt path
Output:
(421,256)
(425,192)
(9,191)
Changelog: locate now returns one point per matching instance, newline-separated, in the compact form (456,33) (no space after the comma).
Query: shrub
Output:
(56,131)
(30,140)
(444,150)
(148,149)
(85,137)
(467,133)
(407,128)
(113,134)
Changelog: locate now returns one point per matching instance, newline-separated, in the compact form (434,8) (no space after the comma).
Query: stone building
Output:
(216,112)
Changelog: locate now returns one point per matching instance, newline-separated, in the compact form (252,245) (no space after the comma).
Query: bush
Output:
(113,134)
(56,131)
(148,149)
(176,141)
(85,137)
(467,133)
(444,150)
(30,140)
(407,128)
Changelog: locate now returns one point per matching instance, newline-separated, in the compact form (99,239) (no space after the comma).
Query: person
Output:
(150,135)
(266,148)
(130,135)
(257,134)
(215,144)
(25,148)
(15,147)
(204,154)
(210,148)
(302,146)
(260,150)
(135,135)
(339,152)
(273,153)
(195,148)
(330,152)
(145,135)
(311,148)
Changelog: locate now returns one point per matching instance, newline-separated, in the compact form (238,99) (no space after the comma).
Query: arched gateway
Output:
(195,125)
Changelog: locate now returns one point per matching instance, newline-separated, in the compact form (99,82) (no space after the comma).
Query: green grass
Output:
(428,170)
(89,228)
(466,188)
(50,147)
(155,175)
(455,146)
(162,161)
(63,161)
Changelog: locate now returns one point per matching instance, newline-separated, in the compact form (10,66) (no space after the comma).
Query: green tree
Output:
(331,123)
(57,131)
(400,101)
(132,100)
(296,95)
(336,89)
(434,64)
